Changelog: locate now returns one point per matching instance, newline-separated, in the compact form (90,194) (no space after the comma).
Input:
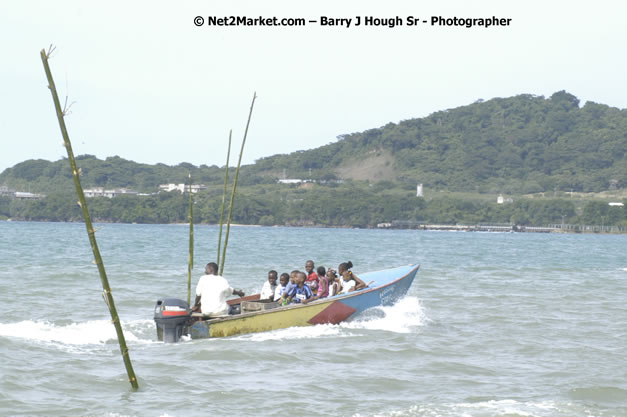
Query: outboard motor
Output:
(171,316)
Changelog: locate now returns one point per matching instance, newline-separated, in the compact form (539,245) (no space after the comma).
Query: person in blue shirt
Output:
(289,287)
(292,283)
(301,293)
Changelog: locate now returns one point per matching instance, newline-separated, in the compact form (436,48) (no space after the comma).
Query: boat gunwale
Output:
(366,290)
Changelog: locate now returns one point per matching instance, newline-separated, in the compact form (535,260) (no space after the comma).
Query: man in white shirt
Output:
(212,291)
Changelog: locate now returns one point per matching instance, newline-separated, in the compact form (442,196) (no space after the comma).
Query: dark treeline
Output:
(352,204)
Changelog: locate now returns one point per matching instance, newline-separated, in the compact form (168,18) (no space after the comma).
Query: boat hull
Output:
(387,287)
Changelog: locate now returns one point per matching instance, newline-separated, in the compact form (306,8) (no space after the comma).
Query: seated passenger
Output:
(349,281)
(311,276)
(280,289)
(323,286)
(292,282)
(269,287)
(301,293)
(323,283)
(334,286)
(321,271)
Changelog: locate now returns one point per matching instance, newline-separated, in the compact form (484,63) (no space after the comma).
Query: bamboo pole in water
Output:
(226,178)
(239,162)
(190,263)
(90,228)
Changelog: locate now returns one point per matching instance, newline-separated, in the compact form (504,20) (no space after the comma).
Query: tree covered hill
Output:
(521,144)
(40,175)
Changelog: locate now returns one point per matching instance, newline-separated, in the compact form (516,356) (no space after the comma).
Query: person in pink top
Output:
(323,285)
(323,282)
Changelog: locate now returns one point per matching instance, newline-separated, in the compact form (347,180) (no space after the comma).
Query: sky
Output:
(149,85)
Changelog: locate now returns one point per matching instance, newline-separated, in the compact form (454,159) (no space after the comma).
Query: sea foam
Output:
(490,408)
(291,333)
(402,317)
(96,332)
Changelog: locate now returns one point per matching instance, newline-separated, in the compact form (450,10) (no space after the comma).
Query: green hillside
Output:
(522,144)
(40,175)
(518,145)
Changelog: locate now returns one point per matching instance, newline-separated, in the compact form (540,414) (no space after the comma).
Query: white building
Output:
(119,191)
(419,191)
(101,192)
(290,181)
(182,188)
(94,192)
(20,195)
(4,190)
(502,200)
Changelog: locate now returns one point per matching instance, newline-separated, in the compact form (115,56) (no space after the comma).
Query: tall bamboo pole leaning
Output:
(90,228)
(226,178)
(190,263)
(239,162)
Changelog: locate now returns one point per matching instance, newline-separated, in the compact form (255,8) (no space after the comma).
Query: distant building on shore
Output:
(503,200)
(101,192)
(4,190)
(20,195)
(419,191)
(182,188)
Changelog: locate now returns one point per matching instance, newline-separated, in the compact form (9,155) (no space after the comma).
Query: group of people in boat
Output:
(303,287)
(311,284)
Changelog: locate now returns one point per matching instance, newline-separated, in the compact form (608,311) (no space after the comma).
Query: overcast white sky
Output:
(150,86)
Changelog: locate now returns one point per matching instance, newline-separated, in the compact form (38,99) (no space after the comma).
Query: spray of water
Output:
(403,317)
(96,332)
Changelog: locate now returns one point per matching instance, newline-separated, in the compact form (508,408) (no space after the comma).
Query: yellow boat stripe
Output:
(272,320)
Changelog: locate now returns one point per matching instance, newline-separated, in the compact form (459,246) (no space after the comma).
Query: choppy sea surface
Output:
(496,324)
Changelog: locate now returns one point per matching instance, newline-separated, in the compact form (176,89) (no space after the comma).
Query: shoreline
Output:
(481,228)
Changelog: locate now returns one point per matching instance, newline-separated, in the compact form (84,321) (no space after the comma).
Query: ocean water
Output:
(494,325)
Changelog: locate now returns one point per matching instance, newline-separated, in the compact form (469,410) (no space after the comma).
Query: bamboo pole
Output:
(239,162)
(226,178)
(90,228)
(190,263)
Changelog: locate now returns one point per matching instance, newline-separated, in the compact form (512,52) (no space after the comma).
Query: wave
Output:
(291,333)
(123,415)
(402,317)
(96,332)
(509,408)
